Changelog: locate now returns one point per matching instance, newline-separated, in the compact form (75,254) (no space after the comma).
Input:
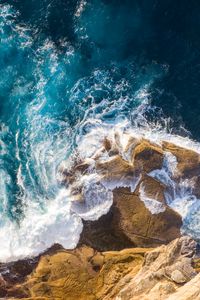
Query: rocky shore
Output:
(166,272)
(138,249)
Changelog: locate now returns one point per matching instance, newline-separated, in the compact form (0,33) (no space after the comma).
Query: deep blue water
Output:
(65,63)
(166,32)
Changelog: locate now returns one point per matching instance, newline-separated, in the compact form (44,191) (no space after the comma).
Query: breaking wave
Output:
(55,103)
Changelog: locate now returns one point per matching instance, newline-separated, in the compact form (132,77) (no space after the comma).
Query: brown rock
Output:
(82,274)
(147,156)
(142,217)
(153,188)
(141,226)
(188,160)
(164,273)
(105,234)
(115,168)
(130,223)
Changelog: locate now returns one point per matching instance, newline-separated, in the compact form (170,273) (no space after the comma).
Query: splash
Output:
(57,101)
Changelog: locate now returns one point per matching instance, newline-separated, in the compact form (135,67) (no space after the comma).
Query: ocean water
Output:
(77,69)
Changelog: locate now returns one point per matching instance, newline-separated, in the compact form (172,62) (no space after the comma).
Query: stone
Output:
(81,274)
(178,276)
(164,269)
(130,223)
(189,291)
(147,156)
(129,274)
(188,160)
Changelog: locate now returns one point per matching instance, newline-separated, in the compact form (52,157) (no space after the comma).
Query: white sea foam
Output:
(49,214)
(80,8)
(152,204)
(131,182)
(60,219)
(40,230)
(97,201)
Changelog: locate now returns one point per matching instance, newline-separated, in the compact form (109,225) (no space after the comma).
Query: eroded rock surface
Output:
(80,274)
(164,273)
(140,214)
(130,223)
(164,270)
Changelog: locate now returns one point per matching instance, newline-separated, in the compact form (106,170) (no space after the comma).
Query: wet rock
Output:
(188,160)
(130,223)
(147,156)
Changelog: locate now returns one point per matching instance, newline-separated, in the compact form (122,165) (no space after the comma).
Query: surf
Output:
(56,107)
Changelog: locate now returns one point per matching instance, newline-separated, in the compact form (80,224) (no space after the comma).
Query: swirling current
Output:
(72,67)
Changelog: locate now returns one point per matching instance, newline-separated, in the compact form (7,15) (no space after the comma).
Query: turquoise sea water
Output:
(66,68)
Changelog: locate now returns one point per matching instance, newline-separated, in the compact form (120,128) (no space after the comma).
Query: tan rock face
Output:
(140,215)
(148,156)
(164,273)
(189,291)
(81,274)
(141,226)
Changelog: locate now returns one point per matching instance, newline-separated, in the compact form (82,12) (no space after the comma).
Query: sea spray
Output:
(60,97)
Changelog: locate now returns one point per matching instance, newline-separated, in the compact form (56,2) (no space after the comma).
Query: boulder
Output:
(187,159)
(147,156)
(116,169)
(164,270)
(130,223)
